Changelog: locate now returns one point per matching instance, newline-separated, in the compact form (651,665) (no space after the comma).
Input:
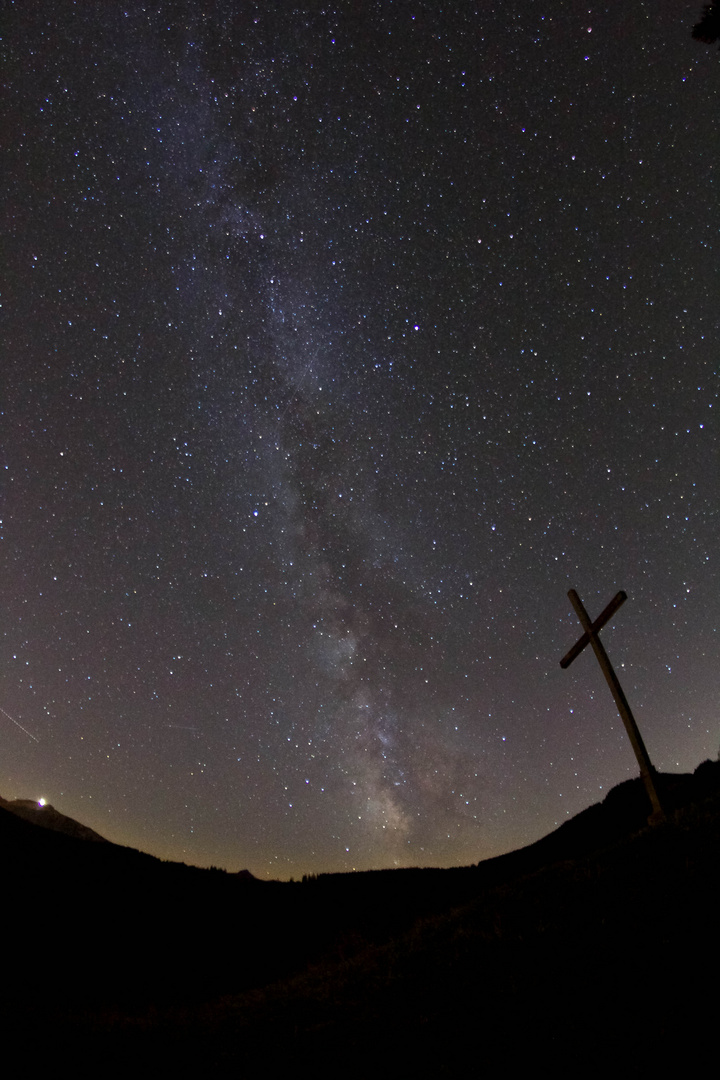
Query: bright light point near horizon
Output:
(41,802)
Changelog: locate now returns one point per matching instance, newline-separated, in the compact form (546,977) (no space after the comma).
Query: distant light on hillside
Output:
(41,802)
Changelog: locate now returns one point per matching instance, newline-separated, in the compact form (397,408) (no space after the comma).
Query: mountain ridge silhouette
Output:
(560,949)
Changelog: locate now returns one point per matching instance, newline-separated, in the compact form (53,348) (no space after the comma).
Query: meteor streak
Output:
(15,722)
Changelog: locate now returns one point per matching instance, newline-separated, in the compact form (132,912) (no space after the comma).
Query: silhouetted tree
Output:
(708,29)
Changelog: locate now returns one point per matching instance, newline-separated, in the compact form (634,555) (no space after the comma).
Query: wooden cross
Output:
(590,637)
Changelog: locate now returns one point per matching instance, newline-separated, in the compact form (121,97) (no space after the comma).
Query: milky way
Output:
(341,341)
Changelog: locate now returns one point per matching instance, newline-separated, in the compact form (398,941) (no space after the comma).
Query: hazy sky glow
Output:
(340,341)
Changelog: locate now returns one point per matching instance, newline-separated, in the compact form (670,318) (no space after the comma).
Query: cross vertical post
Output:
(590,637)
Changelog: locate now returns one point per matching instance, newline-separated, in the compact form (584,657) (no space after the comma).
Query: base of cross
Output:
(653,786)
(650,779)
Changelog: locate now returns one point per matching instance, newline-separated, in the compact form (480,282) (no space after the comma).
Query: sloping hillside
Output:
(583,957)
(40,813)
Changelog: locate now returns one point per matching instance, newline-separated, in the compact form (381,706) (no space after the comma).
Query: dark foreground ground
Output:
(595,949)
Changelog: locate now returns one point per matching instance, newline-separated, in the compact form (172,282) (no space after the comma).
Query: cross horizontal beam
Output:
(617,601)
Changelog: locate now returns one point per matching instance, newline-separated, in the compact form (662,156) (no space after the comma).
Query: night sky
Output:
(339,342)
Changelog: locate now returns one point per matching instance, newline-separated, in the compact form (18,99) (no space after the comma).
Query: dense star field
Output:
(340,341)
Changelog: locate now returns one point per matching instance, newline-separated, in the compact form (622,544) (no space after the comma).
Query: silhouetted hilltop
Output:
(624,810)
(49,818)
(245,875)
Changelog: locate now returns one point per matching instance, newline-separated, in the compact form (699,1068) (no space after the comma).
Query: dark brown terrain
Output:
(594,948)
